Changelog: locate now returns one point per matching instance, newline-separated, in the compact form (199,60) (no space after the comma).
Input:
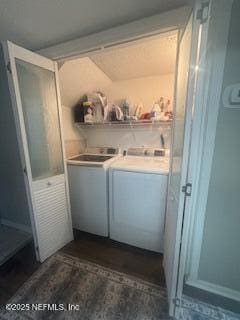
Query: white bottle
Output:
(155,112)
(138,110)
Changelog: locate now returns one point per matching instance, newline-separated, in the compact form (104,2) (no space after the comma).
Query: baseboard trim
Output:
(220,290)
(191,309)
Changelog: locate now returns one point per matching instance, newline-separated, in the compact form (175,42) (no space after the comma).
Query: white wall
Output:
(127,137)
(145,90)
(70,130)
(78,77)
(74,142)
(82,76)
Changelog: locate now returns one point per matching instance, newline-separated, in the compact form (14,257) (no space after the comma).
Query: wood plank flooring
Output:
(140,263)
(144,264)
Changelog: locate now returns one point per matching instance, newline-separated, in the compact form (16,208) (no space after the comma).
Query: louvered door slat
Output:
(53,225)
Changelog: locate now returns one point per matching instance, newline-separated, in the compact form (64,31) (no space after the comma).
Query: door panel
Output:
(89,199)
(178,168)
(169,244)
(137,208)
(180,109)
(50,206)
(35,99)
(40,111)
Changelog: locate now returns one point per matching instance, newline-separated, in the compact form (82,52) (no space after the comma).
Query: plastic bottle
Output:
(125,109)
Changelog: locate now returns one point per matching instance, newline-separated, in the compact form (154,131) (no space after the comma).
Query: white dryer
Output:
(137,198)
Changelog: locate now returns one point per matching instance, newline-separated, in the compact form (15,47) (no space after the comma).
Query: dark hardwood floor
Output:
(137,262)
(120,257)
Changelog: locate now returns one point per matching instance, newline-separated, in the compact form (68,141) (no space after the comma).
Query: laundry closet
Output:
(120,102)
(139,74)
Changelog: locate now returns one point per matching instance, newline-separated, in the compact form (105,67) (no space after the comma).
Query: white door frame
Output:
(10,52)
(185,157)
(204,122)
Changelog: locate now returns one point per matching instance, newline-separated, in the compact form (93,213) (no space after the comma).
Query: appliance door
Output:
(137,204)
(89,198)
(184,92)
(33,84)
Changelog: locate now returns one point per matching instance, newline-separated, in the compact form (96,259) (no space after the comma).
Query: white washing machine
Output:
(137,198)
(88,188)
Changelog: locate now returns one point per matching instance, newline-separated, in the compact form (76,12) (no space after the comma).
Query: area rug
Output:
(66,287)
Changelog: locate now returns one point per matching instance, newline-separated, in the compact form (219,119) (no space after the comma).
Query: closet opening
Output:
(119,103)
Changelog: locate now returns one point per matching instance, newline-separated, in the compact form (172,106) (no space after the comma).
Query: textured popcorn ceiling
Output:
(149,58)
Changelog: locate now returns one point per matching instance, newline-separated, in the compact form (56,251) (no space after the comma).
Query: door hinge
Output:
(176,302)
(187,189)
(9,69)
(202,14)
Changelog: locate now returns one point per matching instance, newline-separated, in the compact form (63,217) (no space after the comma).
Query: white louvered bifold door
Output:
(52,215)
(33,84)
